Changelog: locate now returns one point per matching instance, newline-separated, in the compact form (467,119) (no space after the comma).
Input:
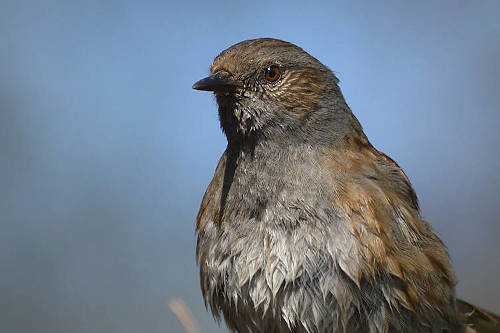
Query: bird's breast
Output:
(266,228)
(278,249)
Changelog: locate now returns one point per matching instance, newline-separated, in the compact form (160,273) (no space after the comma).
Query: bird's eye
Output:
(272,73)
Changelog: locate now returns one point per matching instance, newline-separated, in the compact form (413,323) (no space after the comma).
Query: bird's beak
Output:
(221,81)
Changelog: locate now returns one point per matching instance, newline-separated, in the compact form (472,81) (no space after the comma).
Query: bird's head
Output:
(273,89)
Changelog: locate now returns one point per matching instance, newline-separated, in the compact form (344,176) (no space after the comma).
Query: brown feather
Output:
(306,227)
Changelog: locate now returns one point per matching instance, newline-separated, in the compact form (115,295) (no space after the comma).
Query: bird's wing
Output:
(477,319)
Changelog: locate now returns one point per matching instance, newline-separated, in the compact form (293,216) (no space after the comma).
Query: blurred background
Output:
(106,151)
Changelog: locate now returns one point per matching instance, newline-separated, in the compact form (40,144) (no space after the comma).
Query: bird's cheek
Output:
(299,103)
(302,92)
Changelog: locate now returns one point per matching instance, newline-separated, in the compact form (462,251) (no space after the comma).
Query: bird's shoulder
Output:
(381,209)
(357,168)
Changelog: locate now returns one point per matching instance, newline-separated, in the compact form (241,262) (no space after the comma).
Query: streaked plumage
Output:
(306,227)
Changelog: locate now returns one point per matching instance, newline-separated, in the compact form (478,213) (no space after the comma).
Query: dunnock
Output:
(306,227)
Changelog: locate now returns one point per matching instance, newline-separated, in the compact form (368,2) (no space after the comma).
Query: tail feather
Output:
(476,319)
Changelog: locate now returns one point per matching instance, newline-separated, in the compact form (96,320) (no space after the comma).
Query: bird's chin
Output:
(227,100)
(237,122)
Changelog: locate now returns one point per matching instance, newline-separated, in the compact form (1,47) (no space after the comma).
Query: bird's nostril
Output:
(223,75)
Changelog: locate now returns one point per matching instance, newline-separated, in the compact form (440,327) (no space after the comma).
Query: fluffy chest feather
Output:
(278,251)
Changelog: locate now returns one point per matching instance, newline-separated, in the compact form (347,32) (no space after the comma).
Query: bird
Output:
(305,226)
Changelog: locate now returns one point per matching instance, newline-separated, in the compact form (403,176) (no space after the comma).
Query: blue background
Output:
(105,150)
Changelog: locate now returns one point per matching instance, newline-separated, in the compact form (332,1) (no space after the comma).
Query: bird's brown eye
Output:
(272,73)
